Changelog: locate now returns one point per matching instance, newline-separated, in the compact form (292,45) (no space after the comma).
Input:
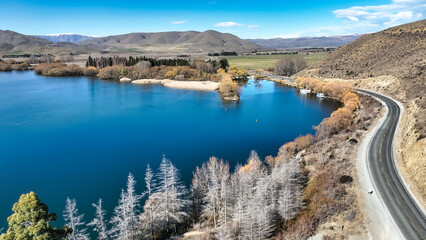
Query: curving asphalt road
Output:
(401,205)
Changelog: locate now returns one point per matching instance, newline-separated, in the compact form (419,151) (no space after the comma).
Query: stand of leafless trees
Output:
(248,203)
(290,65)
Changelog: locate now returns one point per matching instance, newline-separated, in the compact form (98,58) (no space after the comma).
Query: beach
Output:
(193,85)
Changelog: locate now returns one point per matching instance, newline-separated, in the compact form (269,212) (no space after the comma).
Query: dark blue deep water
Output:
(81,137)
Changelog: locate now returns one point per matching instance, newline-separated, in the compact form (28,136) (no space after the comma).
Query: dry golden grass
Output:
(329,200)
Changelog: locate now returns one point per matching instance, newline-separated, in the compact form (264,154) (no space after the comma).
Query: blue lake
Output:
(80,137)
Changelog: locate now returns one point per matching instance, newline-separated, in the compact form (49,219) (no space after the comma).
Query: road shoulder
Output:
(378,220)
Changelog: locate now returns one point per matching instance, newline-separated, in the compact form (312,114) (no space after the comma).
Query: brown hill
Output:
(191,41)
(17,39)
(10,40)
(135,43)
(16,43)
(305,42)
(399,51)
(392,62)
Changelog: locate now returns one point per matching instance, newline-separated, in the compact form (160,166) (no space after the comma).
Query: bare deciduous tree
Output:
(288,66)
(168,201)
(125,220)
(147,217)
(99,222)
(74,221)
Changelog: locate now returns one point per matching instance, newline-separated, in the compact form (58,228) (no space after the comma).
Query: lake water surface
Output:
(79,137)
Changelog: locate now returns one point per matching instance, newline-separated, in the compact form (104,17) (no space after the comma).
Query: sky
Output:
(244,18)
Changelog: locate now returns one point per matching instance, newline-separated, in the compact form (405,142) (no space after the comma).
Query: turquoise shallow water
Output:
(80,137)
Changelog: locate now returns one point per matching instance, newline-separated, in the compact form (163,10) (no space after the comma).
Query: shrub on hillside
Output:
(90,71)
(44,68)
(12,65)
(74,70)
(58,69)
(324,197)
(21,66)
(112,72)
(339,119)
(303,142)
(5,67)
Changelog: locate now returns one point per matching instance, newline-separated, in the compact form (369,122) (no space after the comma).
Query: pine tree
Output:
(89,62)
(224,64)
(31,220)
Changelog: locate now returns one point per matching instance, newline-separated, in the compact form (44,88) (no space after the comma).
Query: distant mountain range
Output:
(305,42)
(163,43)
(135,43)
(65,37)
(192,41)
(207,40)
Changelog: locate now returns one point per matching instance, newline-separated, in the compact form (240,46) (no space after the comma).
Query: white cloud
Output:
(253,26)
(352,18)
(228,24)
(367,19)
(402,17)
(395,13)
(179,22)
(355,28)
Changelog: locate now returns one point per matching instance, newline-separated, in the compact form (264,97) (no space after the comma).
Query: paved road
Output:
(404,210)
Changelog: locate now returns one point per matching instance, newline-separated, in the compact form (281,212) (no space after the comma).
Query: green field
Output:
(268,61)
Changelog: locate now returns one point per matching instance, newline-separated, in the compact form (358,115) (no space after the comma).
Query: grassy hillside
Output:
(15,43)
(268,61)
(398,51)
(159,44)
(190,41)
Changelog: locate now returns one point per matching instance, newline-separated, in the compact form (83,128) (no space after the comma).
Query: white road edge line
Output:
(400,176)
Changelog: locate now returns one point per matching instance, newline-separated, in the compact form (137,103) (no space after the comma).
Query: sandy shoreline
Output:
(192,85)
